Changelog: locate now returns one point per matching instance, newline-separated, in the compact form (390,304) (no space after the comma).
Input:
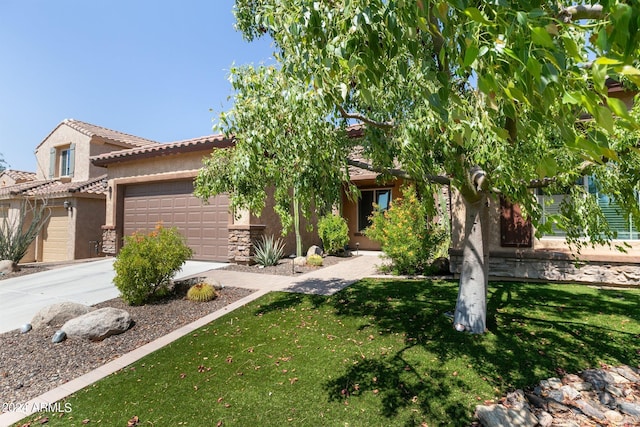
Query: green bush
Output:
(147,263)
(334,233)
(268,251)
(405,234)
(314,260)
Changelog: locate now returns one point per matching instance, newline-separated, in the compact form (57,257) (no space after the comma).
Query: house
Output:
(154,184)
(73,189)
(514,252)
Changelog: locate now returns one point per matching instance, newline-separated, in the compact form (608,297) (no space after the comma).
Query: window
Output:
(61,161)
(65,162)
(380,198)
(620,223)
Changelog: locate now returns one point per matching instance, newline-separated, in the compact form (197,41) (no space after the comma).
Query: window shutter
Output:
(72,159)
(52,163)
(514,230)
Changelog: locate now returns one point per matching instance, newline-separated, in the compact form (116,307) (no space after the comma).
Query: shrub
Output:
(18,230)
(334,233)
(268,251)
(201,292)
(314,260)
(405,234)
(147,263)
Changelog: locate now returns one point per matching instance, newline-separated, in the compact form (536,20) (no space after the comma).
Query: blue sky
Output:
(149,68)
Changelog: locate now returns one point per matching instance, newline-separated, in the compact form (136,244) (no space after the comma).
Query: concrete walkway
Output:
(86,283)
(324,281)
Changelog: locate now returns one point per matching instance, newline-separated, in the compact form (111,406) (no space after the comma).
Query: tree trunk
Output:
(296,223)
(471,307)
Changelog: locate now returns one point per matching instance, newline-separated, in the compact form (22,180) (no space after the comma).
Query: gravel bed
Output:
(284,267)
(30,364)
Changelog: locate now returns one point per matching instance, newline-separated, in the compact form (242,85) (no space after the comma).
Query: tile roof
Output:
(19,176)
(55,188)
(203,143)
(113,136)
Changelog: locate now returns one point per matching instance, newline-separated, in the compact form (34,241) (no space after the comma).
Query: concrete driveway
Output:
(87,283)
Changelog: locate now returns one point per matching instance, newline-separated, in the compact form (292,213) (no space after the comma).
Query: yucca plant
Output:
(268,251)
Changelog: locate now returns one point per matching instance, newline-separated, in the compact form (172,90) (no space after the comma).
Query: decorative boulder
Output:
(98,324)
(213,282)
(56,315)
(7,266)
(300,261)
(314,250)
(441,266)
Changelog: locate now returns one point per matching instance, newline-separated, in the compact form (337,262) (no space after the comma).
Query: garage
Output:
(55,236)
(205,226)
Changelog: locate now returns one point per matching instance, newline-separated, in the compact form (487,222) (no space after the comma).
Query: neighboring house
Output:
(73,189)
(151,185)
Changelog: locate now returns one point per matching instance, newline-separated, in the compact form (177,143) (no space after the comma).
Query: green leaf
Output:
(618,107)
(571,47)
(604,118)
(573,98)
(628,70)
(603,60)
(366,94)
(541,37)
(534,67)
(475,14)
(470,55)
(599,74)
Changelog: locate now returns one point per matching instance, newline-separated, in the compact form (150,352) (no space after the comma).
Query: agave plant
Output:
(268,251)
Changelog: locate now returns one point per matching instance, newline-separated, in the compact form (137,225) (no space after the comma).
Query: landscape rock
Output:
(314,250)
(7,266)
(25,328)
(441,266)
(606,396)
(215,283)
(99,324)
(501,416)
(300,261)
(58,337)
(56,315)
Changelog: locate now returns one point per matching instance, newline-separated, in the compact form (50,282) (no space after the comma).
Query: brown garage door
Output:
(172,203)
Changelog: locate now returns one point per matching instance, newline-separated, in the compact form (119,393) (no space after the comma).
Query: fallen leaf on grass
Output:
(133,421)
(85,421)
(293,380)
(44,420)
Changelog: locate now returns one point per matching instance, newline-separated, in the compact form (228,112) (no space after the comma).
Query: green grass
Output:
(379,353)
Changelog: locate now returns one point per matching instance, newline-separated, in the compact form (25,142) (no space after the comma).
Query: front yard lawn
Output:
(379,353)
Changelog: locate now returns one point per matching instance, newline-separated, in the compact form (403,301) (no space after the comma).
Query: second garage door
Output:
(203,225)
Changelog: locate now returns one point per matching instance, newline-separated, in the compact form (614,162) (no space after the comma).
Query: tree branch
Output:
(578,12)
(399,173)
(365,119)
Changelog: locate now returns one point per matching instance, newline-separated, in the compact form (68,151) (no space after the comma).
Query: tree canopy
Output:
(491,97)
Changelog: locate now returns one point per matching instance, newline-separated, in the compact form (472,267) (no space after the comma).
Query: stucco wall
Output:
(549,258)
(350,212)
(272,227)
(63,136)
